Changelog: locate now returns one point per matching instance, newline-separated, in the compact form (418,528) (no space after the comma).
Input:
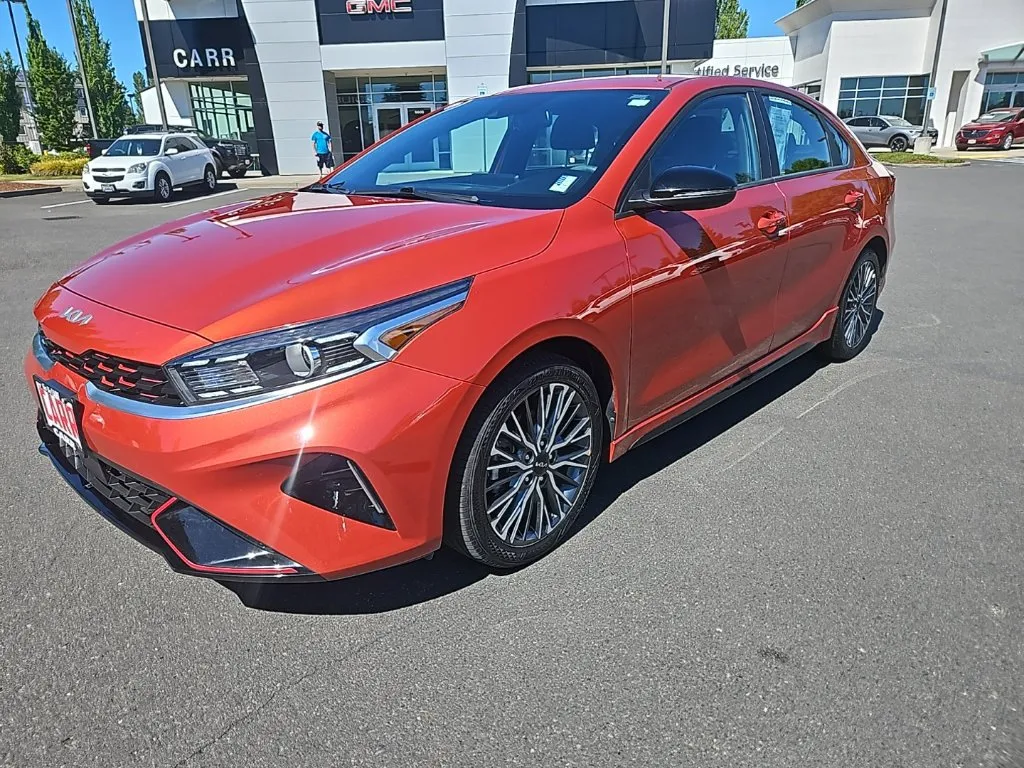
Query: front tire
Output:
(525,464)
(1007,143)
(899,143)
(857,305)
(209,179)
(162,189)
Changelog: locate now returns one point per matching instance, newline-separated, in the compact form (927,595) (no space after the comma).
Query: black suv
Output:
(232,155)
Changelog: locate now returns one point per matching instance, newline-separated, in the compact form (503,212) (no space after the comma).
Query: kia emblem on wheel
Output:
(76,316)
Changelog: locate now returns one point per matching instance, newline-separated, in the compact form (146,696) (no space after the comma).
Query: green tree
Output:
(109,101)
(53,89)
(10,100)
(801,2)
(139,83)
(732,20)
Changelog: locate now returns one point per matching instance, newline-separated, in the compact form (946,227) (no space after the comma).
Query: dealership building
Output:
(267,70)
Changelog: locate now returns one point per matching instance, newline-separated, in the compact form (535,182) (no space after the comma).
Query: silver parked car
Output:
(887,131)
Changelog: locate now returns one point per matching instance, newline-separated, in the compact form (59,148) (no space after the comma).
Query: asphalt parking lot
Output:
(824,571)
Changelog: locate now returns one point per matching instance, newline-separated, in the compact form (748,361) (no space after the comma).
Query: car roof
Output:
(153,135)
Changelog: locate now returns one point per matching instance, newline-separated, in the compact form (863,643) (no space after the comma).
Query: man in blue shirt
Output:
(322,148)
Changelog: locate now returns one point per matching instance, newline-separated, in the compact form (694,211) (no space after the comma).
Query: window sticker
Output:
(638,100)
(563,183)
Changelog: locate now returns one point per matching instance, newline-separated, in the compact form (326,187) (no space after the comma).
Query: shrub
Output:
(57,166)
(16,158)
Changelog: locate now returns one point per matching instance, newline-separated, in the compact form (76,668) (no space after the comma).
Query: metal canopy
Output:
(1006,53)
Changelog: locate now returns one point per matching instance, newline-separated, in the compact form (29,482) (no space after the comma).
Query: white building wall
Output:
(810,52)
(871,48)
(478,45)
(287,41)
(771,58)
(966,35)
(176,103)
(167,10)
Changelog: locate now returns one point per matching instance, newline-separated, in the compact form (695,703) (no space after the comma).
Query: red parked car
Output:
(998,129)
(447,339)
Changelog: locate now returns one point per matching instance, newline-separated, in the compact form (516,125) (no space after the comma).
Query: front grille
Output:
(974,134)
(127,378)
(128,493)
(107,179)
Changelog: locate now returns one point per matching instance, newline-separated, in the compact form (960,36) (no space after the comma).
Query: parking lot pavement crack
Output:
(284,688)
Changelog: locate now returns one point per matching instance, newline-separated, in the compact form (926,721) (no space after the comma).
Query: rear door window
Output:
(801,142)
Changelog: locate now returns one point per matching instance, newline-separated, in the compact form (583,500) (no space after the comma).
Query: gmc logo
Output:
(363,7)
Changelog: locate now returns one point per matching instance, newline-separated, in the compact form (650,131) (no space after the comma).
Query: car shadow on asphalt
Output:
(180,195)
(447,571)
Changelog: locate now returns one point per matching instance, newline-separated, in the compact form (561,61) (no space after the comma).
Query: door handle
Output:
(772,223)
(855,200)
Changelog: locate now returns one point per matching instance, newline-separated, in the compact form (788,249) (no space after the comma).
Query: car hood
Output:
(301,256)
(985,126)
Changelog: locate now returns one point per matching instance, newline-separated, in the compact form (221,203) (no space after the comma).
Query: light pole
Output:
(152,64)
(81,70)
(30,106)
(664,38)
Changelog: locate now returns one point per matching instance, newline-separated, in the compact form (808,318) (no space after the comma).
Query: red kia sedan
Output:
(998,129)
(447,339)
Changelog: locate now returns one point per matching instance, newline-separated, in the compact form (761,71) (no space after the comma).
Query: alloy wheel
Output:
(211,180)
(538,464)
(899,144)
(859,307)
(163,188)
(1008,142)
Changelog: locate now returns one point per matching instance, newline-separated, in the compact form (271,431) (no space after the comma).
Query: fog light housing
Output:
(336,484)
(207,545)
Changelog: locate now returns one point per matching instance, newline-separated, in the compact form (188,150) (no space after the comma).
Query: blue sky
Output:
(117,20)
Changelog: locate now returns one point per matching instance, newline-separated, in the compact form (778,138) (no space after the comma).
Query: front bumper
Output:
(132,185)
(985,142)
(397,424)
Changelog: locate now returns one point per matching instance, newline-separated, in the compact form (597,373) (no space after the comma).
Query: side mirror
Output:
(690,188)
(103,151)
(171,151)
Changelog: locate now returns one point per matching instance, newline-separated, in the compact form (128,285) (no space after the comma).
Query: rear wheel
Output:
(526,463)
(899,143)
(162,189)
(209,179)
(857,304)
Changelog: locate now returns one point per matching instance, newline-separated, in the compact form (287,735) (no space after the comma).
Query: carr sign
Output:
(363,7)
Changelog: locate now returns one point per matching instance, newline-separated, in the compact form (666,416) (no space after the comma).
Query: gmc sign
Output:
(362,7)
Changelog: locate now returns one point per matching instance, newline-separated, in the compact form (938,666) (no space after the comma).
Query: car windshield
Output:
(997,117)
(535,149)
(134,148)
(898,122)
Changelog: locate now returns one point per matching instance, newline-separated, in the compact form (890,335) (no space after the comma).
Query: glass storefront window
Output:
(549,75)
(897,95)
(363,106)
(223,109)
(1003,90)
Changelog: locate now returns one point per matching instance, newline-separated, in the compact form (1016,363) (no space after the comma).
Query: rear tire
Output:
(857,306)
(162,189)
(209,179)
(519,480)
(899,143)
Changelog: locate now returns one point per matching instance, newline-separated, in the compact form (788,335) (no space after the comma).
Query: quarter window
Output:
(718,134)
(800,139)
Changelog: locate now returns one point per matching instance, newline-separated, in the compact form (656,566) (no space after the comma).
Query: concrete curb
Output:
(39,190)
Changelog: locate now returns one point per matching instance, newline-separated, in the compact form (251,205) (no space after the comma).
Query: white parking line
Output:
(61,205)
(197,199)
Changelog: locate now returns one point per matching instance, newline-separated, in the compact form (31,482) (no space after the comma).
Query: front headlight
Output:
(305,356)
(138,168)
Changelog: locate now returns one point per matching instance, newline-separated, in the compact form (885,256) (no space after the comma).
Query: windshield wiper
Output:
(411,193)
(319,186)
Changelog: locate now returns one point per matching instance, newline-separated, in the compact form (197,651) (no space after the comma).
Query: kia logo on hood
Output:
(76,316)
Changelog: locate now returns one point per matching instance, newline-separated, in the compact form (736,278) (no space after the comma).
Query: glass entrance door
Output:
(391,117)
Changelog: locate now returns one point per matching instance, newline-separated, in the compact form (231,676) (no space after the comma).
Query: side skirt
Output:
(723,389)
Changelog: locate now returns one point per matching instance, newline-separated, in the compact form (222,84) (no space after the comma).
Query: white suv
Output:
(149,165)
